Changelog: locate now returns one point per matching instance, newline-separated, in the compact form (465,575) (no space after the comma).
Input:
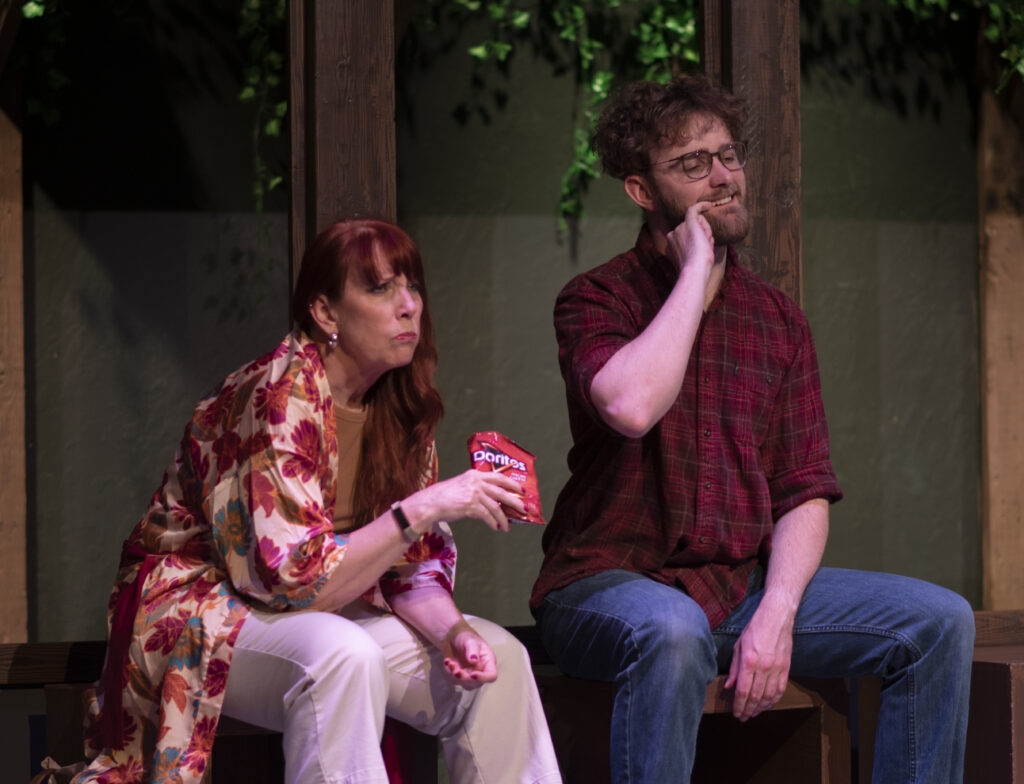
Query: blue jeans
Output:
(654,642)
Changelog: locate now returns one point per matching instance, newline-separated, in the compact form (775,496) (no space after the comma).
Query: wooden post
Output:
(753,47)
(342,114)
(13,594)
(1001,230)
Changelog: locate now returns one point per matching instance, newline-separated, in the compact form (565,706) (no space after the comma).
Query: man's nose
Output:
(719,173)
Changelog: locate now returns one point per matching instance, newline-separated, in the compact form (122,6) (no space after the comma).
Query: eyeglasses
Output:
(697,164)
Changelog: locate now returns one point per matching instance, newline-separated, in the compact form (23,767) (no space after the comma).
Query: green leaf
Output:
(248,93)
(600,83)
(33,9)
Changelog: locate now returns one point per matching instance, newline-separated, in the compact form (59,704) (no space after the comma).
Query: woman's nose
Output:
(407,302)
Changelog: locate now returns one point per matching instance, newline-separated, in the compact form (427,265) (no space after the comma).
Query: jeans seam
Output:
(807,630)
(912,719)
(628,684)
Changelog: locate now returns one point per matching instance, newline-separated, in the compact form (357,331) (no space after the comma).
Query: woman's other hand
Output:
(468,659)
(476,494)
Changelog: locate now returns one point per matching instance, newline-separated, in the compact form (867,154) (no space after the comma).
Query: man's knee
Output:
(675,639)
(600,626)
(957,619)
(941,622)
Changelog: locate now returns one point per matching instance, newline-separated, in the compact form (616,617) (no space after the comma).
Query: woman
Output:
(294,569)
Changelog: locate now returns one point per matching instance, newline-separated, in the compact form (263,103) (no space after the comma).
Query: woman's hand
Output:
(477,494)
(468,659)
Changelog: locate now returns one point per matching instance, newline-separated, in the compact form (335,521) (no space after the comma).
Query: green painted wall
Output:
(891,289)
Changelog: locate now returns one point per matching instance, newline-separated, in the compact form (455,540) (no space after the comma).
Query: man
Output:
(687,541)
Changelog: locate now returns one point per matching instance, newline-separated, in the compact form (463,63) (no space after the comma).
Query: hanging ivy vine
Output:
(661,43)
(599,42)
(261,31)
(1002,26)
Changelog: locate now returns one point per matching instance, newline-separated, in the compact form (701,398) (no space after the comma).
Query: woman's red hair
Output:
(403,406)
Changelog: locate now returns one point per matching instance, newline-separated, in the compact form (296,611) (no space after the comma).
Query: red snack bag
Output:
(491,451)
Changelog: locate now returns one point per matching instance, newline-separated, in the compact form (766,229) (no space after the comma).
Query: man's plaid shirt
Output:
(693,502)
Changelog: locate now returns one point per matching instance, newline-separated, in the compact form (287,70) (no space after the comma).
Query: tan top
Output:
(350,422)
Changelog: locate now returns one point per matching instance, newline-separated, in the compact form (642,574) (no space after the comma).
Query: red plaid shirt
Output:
(693,502)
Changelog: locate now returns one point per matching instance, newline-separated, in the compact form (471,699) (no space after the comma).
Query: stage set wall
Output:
(149,277)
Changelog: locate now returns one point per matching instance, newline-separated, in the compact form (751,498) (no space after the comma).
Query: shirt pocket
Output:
(758,388)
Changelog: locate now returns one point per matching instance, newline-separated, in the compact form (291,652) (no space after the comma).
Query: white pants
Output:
(326,683)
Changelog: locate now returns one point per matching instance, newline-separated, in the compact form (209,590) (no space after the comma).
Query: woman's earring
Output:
(332,341)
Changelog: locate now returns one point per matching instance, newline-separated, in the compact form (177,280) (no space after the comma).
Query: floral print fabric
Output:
(242,518)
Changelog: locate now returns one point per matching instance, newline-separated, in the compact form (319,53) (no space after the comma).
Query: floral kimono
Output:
(244,517)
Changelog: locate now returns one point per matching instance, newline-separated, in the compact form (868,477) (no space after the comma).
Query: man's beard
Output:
(725,230)
(731,230)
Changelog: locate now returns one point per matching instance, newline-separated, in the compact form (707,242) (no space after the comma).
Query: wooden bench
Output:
(65,669)
(995,729)
(995,724)
(805,738)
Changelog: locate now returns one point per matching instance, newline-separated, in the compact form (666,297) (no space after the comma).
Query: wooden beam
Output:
(34,665)
(13,502)
(10,20)
(343,114)
(1001,237)
(753,47)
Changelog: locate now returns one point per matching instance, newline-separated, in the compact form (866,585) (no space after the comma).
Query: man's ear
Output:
(639,190)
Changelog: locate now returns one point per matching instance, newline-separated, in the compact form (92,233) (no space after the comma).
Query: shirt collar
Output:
(664,267)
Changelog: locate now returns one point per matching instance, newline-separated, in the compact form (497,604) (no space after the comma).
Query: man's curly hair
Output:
(644,115)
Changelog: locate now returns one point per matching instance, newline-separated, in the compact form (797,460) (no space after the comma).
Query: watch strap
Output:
(403,522)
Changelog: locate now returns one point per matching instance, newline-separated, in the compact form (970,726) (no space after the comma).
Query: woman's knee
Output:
(283,662)
(327,643)
(509,653)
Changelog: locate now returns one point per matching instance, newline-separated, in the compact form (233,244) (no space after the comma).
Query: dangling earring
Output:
(332,341)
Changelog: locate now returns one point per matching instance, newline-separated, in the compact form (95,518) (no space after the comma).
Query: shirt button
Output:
(707,431)
(707,379)
(702,539)
(707,485)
